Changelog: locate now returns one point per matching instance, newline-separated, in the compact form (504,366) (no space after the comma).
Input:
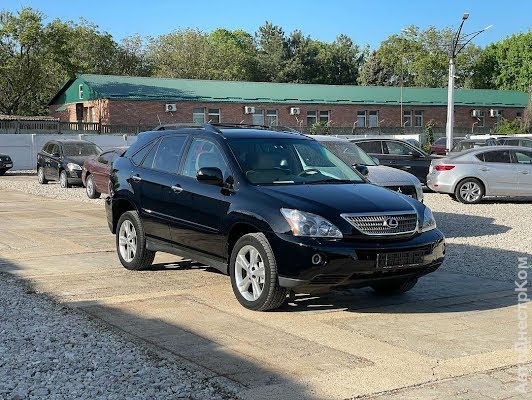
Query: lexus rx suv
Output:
(276,211)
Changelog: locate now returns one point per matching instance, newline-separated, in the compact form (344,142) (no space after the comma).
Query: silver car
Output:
(486,171)
(388,177)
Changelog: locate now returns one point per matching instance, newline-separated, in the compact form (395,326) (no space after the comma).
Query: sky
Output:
(366,22)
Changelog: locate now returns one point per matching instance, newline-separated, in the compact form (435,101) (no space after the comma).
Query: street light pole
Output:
(458,44)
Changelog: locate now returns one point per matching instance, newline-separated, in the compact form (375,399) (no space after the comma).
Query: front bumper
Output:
(314,265)
(5,165)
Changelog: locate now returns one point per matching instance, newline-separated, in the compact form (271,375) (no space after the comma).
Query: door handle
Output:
(136,178)
(176,188)
(525,172)
(484,168)
(407,167)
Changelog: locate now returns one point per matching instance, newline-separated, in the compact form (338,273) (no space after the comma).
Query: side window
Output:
(168,154)
(497,156)
(204,153)
(54,149)
(139,155)
(397,148)
(526,143)
(523,157)
(105,158)
(373,147)
(47,147)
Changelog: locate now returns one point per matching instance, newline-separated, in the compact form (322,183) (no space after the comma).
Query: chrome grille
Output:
(380,224)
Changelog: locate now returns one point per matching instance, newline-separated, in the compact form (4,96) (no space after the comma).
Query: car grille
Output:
(328,279)
(407,190)
(383,224)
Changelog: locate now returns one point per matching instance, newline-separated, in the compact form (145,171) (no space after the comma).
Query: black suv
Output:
(398,154)
(63,160)
(276,211)
(5,163)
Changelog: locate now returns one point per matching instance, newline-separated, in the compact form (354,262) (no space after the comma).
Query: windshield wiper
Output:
(331,180)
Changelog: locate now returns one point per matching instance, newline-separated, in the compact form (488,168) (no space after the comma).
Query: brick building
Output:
(122,100)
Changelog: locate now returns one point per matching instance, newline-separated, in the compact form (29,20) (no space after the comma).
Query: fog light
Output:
(317,259)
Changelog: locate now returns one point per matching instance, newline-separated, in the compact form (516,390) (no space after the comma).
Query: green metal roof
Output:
(165,89)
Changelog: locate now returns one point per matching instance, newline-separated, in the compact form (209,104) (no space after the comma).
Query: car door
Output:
(201,207)
(101,168)
(43,160)
(157,185)
(498,172)
(403,156)
(54,162)
(523,160)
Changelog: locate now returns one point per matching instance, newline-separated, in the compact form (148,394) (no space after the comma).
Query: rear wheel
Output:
(394,287)
(2,171)
(253,271)
(469,191)
(40,176)
(63,179)
(92,193)
(131,243)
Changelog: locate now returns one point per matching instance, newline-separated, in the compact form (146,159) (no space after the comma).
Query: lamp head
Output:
(465,16)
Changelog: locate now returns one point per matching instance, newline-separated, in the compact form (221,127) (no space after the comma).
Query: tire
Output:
(453,196)
(90,189)
(40,176)
(255,294)
(394,287)
(131,243)
(469,191)
(2,171)
(63,180)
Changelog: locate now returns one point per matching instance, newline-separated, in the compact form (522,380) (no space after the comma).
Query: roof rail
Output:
(277,128)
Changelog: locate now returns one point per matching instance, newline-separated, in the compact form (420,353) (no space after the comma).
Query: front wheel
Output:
(469,191)
(131,243)
(92,193)
(394,287)
(63,180)
(40,176)
(253,271)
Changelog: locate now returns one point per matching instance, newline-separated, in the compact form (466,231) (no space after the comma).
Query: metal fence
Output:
(52,127)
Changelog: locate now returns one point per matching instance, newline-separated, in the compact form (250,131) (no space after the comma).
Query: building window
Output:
(80,92)
(407,118)
(257,118)
(311,118)
(373,119)
(271,118)
(361,119)
(198,115)
(324,116)
(480,119)
(214,115)
(418,118)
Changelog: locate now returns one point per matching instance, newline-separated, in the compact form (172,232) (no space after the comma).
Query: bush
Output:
(319,128)
(507,126)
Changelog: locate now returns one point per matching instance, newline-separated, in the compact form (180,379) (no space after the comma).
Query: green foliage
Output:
(509,126)
(320,128)
(429,135)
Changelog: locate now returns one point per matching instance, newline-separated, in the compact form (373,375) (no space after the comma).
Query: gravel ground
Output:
(49,351)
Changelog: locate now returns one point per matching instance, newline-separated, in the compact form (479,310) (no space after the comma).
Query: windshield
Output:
(80,149)
(268,161)
(348,152)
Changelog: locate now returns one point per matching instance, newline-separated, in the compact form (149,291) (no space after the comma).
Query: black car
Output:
(515,141)
(275,210)
(467,144)
(63,159)
(5,163)
(398,154)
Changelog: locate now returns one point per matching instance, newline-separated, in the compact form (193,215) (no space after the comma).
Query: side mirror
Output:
(376,160)
(210,176)
(362,169)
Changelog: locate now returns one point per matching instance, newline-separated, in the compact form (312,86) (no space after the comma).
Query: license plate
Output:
(399,260)
(9,165)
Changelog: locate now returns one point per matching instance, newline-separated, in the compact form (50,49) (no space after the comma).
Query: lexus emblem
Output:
(391,223)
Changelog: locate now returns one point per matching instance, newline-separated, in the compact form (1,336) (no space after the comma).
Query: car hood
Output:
(387,176)
(340,198)
(77,159)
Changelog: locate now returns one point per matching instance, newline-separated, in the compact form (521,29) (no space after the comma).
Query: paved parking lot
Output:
(453,336)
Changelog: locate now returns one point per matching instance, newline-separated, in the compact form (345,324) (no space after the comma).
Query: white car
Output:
(486,171)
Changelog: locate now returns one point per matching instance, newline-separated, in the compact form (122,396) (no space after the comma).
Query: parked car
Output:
(390,178)
(62,160)
(515,141)
(439,147)
(6,163)
(397,154)
(486,171)
(467,144)
(413,142)
(96,169)
(275,210)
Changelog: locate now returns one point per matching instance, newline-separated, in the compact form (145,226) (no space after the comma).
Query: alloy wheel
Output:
(63,180)
(41,175)
(127,241)
(90,187)
(249,273)
(470,192)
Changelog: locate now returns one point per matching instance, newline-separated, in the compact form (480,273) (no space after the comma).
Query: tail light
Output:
(443,167)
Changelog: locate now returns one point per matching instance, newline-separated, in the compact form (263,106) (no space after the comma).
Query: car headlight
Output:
(308,224)
(419,191)
(429,223)
(73,167)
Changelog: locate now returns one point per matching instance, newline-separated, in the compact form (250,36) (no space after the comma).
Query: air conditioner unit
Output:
(295,111)
(475,113)
(170,107)
(494,113)
(249,110)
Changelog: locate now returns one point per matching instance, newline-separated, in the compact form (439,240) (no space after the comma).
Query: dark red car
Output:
(438,147)
(96,169)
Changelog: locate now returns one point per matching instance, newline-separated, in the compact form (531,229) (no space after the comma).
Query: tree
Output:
(373,72)
(272,54)
(132,57)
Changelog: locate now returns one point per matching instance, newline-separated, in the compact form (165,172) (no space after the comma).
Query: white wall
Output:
(23,148)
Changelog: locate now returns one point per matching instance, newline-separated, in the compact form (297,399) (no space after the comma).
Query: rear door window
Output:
(168,154)
(500,156)
(372,147)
